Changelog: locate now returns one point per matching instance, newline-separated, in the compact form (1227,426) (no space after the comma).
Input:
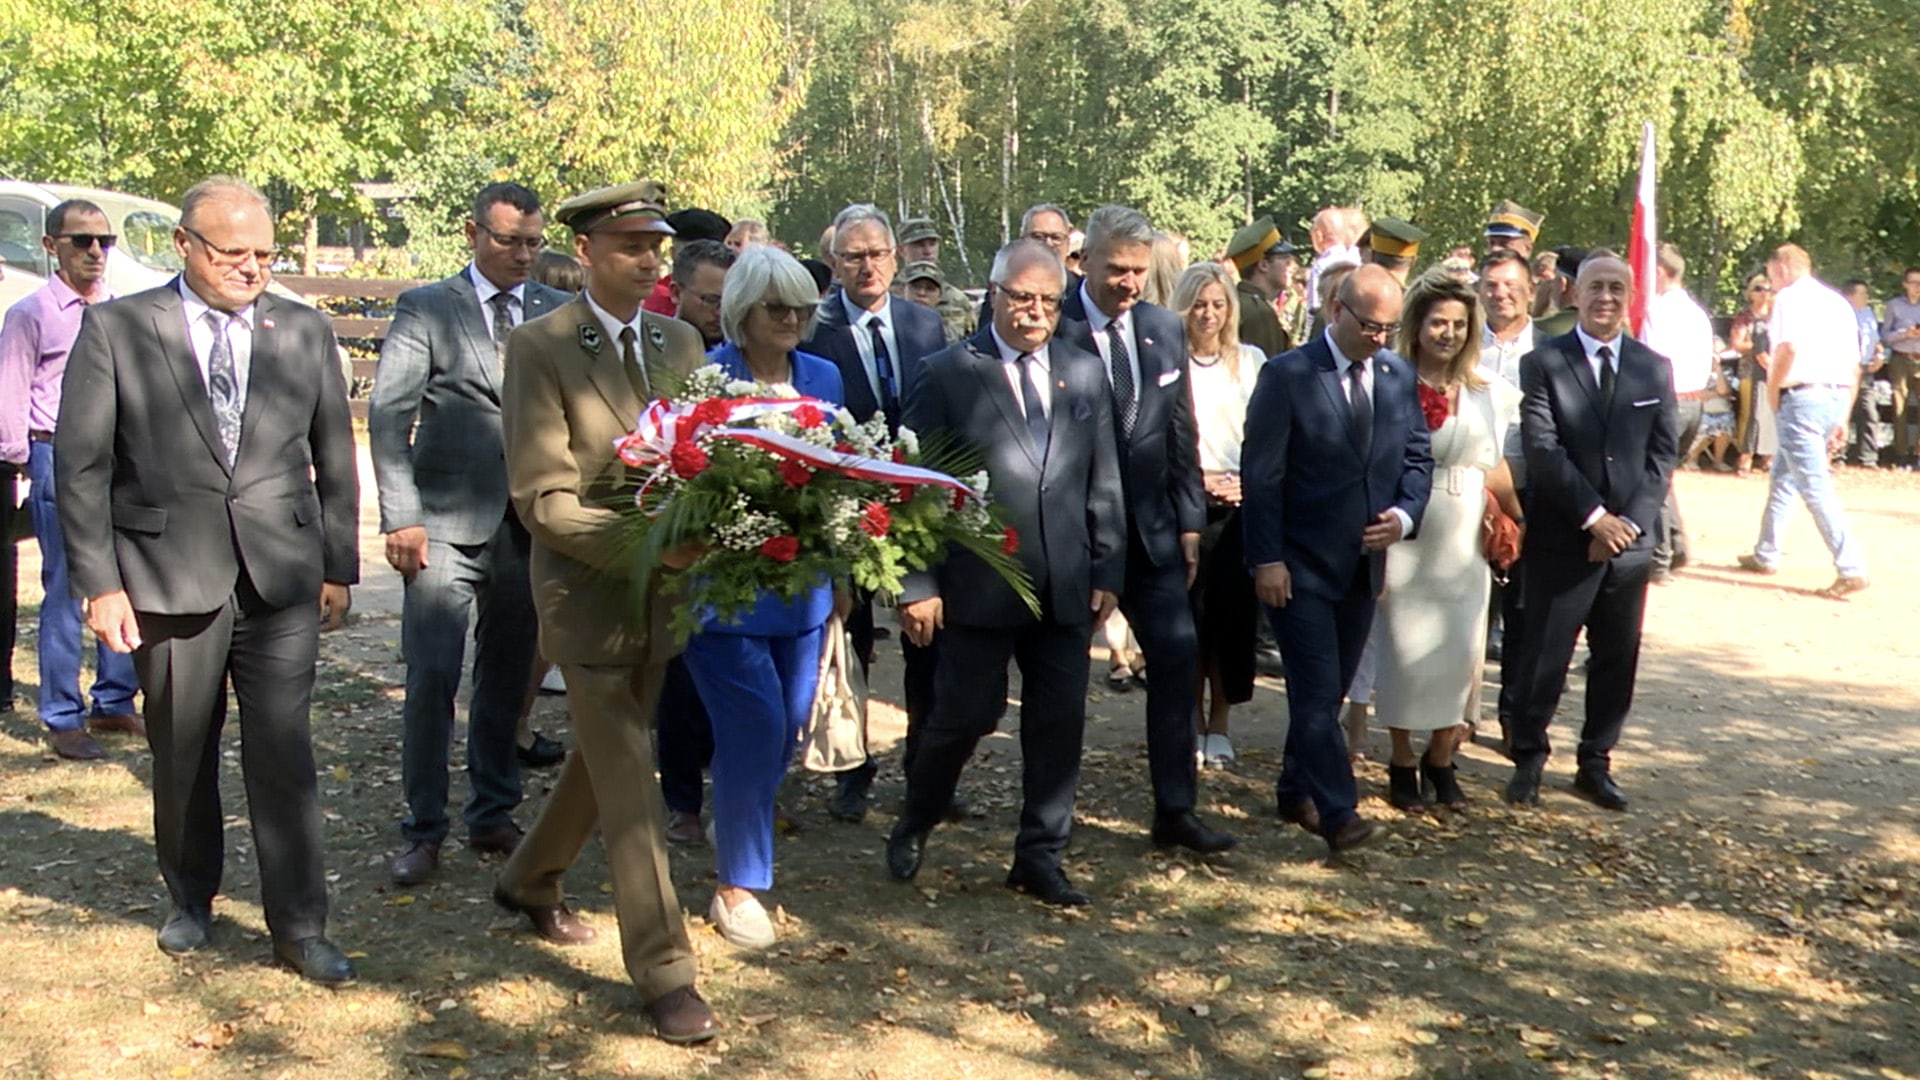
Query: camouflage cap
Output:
(918,228)
(923,271)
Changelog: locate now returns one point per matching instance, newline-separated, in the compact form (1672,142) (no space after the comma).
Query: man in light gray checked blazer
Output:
(434,424)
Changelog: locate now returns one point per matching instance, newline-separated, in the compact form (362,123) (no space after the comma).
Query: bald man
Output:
(1599,432)
(1335,469)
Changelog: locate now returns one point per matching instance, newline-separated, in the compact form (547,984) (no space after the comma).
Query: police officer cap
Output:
(637,207)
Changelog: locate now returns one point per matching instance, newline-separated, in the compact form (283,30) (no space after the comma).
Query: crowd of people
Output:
(1371,481)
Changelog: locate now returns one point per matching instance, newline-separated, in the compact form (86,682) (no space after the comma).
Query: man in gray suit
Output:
(434,424)
(205,468)
(1036,409)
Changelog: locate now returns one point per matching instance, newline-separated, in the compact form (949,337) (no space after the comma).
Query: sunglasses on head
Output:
(85,241)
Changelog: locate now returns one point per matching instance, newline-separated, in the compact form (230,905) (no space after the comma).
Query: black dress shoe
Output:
(1267,661)
(1354,834)
(416,862)
(541,753)
(1597,787)
(904,851)
(849,802)
(186,931)
(1188,831)
(317,959)
(1048,886)
(1524,788)
(958,810)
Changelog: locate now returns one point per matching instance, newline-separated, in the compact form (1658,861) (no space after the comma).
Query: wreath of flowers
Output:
(785,493)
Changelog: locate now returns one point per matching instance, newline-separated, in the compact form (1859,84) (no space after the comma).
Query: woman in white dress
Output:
(1221,372)
(1431,626)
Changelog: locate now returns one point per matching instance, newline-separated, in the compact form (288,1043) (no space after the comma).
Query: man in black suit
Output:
(1336,468)
(1599,426)
(210,501)
(879,341)
(1035,408)
(1143,348)
(1047,224)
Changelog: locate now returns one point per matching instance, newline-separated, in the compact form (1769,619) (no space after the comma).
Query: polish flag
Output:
(1643,247)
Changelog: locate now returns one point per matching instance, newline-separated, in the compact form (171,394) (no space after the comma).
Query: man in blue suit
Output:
(1336,469)
(1143,348)
(879,342)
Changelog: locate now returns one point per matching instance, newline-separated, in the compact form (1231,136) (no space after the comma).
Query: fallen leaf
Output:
(216,1037)
(1220,984)
(1643,1020)
(449,1051)
(402,901)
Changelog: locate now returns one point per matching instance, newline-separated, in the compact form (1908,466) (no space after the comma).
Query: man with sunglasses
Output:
(210,501)
(34,343)
(438,456)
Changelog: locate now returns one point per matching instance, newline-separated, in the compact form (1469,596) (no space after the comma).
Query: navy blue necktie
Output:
(883,365)
(1038,429)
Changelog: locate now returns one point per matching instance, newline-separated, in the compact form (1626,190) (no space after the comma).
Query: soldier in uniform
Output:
(1392,245)
(1511,225)
(1265,261)
(576,381)
(919,242)
(924,284)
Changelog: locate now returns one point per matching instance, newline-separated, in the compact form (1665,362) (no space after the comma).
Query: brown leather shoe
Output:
(123,724)
(416,862)
(682,1016)
(1356,833)
(499,840)
(1844,586)
(684,828)
(551,922)
(76,745)
(1303,814)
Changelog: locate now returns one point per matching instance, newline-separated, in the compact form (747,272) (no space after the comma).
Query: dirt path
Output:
(1753,916)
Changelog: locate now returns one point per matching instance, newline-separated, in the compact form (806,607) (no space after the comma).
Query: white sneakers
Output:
(1216,751)
(748,925)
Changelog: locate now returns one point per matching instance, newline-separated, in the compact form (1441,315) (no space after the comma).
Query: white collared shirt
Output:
(1823,330)
(1680,330)
(486,290)
(1504,356)
(613,327)
(1097,321)
(862,321)
(1042,374)
(200,335)
(1593,345)
(1338,253)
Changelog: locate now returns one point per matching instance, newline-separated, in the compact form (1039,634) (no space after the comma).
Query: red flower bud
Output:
(713,411)
(899,456)
(809,417)
(876,520)
(782,549)
(688,460)
(795,474)
(1009,541)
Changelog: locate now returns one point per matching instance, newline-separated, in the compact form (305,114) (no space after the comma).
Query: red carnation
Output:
(809,417)
(713,412)
(876,520)
(781,548)
(903,492)
(795,474)
(688,460)
(1433,403)
(1009,541)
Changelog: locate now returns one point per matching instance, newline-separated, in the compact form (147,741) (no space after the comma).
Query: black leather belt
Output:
(40,436)
(1814,386)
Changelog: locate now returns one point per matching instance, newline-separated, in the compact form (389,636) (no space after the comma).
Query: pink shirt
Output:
(34,342)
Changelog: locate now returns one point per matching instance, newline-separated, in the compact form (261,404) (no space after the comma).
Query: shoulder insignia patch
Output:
(656,337)
(590,338)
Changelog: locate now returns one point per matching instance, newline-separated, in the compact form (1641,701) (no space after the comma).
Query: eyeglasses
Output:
(780,312)
(1016,298)
(530,243)
(1759,288)
(85,241)
(1374,329)
(711,299)
(858,257)
(1051,239)
(233,257)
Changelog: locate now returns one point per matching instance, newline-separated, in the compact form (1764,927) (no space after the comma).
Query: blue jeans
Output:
(759,693)
(62,706)
(1805,419)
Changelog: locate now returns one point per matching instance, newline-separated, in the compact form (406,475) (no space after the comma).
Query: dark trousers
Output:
(9,584)
(1321,641)
(1565,592)
(184,664)
(1156,606)
(457,580)
(685,736)
(970,696)
(1670,532)
(1513,641)
(1867,444)
(916,687)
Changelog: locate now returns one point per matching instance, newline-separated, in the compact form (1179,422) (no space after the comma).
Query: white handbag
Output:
(836,737)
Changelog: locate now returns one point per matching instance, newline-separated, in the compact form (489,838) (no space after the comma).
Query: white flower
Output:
(843,419)
(741,388)
(910,441)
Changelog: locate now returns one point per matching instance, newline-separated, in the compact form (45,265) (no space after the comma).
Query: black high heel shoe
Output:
(1438,783)
(1403,788)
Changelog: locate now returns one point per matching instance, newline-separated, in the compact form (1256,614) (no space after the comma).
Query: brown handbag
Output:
(1499,536)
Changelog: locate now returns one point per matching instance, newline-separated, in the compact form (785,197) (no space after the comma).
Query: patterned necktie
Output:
(223,384)
(883,366)
(1362,406)
(1126,405)
(1606,377)
(1038,428)
(502,322)
(630,356)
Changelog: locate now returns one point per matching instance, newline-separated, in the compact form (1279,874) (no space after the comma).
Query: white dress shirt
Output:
(1337,254)
(1343,365)
(1680,330)
(486,290)
(1823,330)
(1592,345)
(862,321)
(1504,356)
(200,335)
(1097,321)
(613,327)
(1042,374)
